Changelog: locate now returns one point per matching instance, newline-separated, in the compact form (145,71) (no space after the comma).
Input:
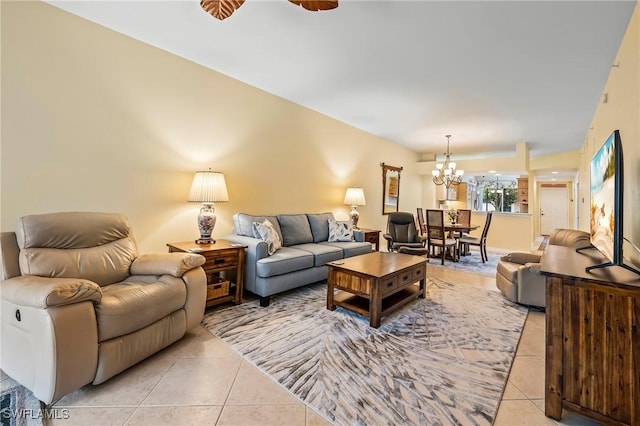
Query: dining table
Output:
(460,227)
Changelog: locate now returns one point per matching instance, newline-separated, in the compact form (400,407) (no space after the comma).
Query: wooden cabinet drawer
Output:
(418,274)
(389,284)
(405,278)
(371,238)
(218,261)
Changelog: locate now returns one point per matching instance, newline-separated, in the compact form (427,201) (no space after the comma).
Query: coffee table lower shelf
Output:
(360,304)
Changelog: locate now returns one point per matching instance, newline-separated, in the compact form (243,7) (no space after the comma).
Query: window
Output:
(492,193)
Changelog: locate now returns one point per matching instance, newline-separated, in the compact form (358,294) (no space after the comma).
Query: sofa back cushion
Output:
(95,246)
(295,229)
(243,224)
(319,224)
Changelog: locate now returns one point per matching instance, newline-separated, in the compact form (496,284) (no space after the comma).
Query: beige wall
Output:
(620,111)
(506,232)
(93,120)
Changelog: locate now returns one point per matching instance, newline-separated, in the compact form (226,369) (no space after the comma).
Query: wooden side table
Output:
(222,259)
(371,236)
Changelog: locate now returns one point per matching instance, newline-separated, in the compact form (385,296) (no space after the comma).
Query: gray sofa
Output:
(302,258)
(518,274)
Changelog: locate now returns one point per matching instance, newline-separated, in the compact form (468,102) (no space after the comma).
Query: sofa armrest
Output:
(44,292)
(256,250)
(521,258)
(175,264)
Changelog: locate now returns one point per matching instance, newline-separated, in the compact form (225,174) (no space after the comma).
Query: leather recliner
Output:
(402,232)
(79,305)
(518,274)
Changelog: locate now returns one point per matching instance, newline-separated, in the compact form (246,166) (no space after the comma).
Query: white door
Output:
(554,208)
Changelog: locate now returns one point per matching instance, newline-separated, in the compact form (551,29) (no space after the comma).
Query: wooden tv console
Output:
(592,338)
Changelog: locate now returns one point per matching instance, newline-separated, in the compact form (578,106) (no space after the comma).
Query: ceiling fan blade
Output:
(316,5)
(220,9)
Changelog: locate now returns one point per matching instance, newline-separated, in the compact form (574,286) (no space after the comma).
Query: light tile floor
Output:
(201,381)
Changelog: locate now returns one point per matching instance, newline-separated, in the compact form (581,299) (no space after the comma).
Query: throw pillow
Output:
(268,234)
(340,230)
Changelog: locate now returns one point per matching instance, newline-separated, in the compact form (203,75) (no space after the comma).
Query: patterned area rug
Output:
(439,361)
(471,263)
(18,406)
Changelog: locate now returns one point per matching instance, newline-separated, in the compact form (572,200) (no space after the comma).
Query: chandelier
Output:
(446,173)
(222,9)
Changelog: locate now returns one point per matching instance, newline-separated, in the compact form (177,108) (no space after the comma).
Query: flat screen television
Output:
(606,174)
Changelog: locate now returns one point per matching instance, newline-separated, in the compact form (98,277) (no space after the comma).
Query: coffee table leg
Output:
(423,288)
(375,306)
(330,305)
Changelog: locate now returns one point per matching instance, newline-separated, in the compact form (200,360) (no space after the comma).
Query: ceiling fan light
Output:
(220,9)
(315,6)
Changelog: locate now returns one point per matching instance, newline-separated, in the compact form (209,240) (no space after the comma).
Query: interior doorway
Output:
(554,207)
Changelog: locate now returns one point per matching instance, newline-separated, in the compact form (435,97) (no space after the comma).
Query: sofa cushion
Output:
(295,229)
(243,224)
(319,223)
(340,231)
(321,253)
(351,248)
(285,260)
(137,302)
(267,233)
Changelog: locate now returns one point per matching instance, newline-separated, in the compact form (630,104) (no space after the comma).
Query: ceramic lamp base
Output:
(355,215)
(206,222)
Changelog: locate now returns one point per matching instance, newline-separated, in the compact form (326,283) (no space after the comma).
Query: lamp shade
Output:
(208,187)
(354,197)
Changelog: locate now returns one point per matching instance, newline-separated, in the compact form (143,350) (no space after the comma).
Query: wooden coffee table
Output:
(375,284)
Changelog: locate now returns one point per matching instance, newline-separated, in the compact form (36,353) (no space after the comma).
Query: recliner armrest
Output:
(533,267)
(531,285)
(45,292)
(389,239)
(521,258)
(175,264)
(529,272)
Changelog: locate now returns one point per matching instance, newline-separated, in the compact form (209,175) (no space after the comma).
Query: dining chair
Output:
(437,236)
(480,242)
(464,218)
(422,225)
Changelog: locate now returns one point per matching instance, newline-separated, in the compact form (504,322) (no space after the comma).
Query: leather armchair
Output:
(79,305)
(402,232)
(518,274)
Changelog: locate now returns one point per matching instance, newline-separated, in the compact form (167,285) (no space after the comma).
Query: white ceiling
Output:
(491,73)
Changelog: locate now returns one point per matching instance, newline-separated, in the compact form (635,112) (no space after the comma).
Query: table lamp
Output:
(354,198)
(207,188)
